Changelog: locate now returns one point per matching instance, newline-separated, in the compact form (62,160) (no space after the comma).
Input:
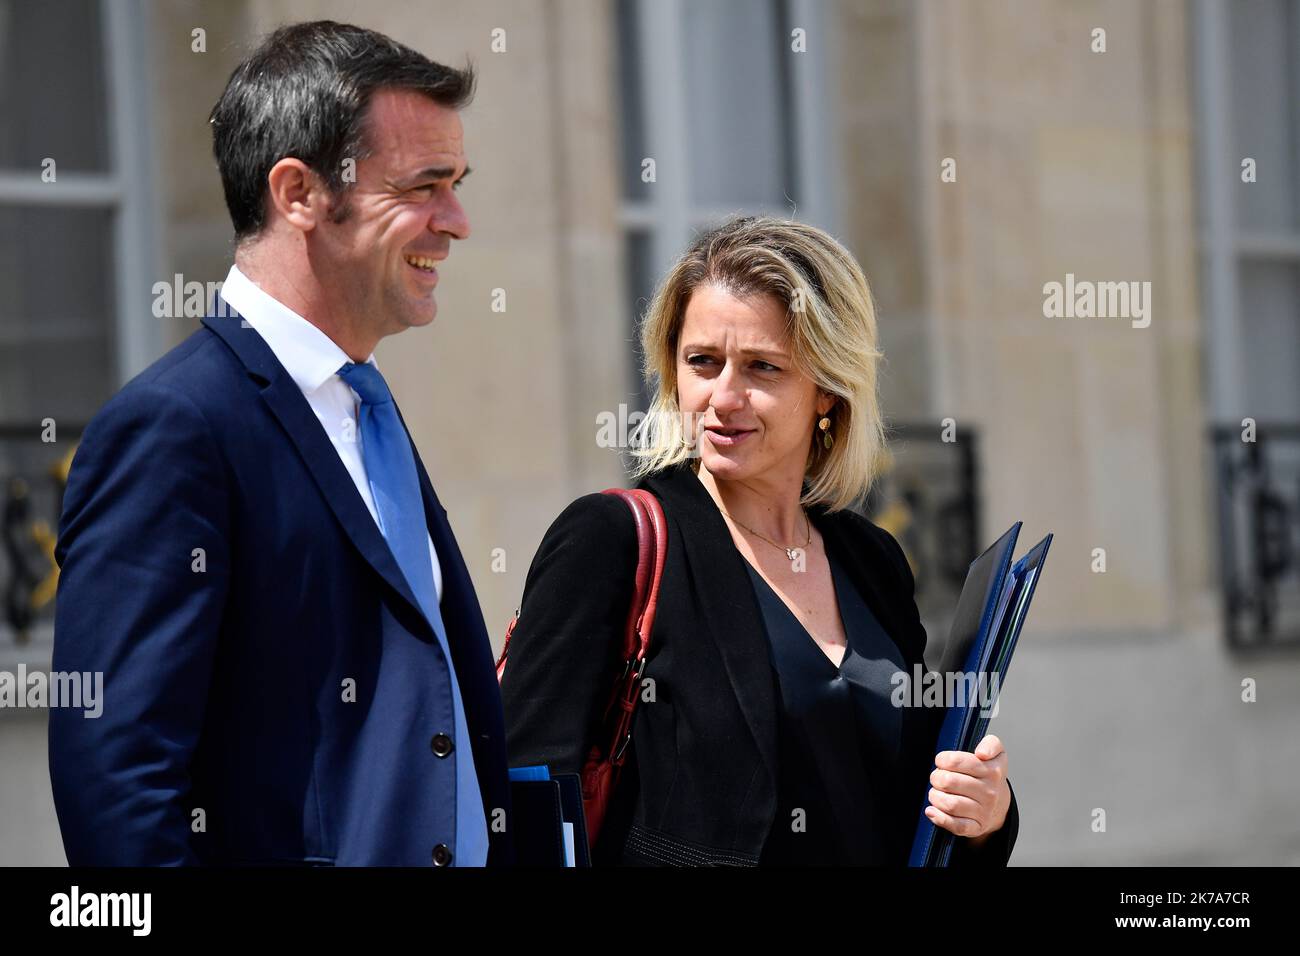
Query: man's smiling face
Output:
(397,221)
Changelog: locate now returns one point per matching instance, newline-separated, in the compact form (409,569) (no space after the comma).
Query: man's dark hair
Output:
(304,93)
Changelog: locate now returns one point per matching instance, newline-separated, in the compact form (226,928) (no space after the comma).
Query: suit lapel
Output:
(730,607)
(461,614)
(294,413)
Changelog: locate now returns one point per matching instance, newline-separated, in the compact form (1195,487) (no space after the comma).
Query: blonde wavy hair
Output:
(831,331)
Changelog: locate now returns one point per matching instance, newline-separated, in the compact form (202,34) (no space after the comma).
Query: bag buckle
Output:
(627,667)
(622,747)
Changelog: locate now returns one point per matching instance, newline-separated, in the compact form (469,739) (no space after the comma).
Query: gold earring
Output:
(825,426)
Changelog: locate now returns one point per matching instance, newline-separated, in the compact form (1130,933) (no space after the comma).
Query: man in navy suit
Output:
(295,665)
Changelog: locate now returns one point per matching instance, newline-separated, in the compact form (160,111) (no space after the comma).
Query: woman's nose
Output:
(728,390)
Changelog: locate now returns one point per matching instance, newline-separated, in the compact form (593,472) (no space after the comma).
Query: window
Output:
(1247,60)
(1248,73)
(75,242)
(731,117)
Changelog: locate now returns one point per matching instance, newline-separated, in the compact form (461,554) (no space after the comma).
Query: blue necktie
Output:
(395,484)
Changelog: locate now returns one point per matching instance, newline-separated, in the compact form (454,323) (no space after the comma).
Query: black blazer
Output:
(700,784)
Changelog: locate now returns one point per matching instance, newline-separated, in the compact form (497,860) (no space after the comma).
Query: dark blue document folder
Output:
(990,613)
(545,804)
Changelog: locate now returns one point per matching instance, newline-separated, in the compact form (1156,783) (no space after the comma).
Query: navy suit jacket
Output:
(267,671)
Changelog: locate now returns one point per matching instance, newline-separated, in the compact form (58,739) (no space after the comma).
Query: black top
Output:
(833,724)
(700,781)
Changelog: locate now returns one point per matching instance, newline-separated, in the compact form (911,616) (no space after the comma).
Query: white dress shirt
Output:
(313,360)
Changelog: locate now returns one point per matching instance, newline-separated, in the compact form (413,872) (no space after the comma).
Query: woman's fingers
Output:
(981,788)
(958,797)
(962,826)
(966,788)
(975,765)
(958,805)
(989,747)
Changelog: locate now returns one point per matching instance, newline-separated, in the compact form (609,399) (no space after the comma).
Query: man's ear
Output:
(297,194)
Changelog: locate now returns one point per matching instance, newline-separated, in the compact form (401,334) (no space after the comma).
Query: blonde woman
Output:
(767,735)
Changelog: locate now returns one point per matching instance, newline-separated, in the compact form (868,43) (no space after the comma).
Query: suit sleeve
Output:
(996,851)
(138,603)
(566,648)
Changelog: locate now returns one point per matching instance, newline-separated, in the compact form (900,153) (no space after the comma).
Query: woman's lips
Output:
(737,436)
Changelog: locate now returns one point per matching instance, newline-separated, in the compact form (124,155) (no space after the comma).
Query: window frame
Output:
(126,189)
(670,215)
(1226,246)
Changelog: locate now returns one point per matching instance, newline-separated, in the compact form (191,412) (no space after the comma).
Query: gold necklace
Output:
(789,552)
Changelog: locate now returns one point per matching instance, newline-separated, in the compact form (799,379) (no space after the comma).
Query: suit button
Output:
(441,855)
(441,744)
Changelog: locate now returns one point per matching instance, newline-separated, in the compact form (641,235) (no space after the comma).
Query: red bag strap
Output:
(602,767)
(652,548)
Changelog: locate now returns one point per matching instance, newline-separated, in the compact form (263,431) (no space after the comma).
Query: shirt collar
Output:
(309,355)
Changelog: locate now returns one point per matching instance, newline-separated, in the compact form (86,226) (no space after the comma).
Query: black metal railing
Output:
(33,474)
(1258,492)
(929,500)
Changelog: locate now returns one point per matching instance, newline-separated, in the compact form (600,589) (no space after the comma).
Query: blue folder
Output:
(550,827)
(990,613)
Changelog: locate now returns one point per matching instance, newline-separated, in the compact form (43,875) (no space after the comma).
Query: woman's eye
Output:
(760,366)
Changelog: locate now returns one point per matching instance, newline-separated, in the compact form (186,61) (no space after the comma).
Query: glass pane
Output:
(1270,326)
(640,288)
(52,86)
(736,102)
(1265,92)
(56,312)
(632,106)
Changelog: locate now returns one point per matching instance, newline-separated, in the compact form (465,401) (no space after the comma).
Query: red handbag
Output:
(601,771)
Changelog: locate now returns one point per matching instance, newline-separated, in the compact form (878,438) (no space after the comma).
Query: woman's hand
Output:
(969,793)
